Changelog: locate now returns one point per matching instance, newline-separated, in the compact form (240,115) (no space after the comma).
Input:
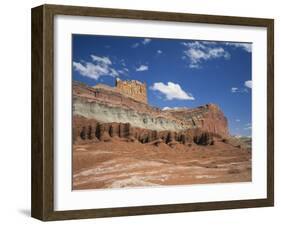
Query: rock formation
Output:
(133,89)
(106,105)
(92,131)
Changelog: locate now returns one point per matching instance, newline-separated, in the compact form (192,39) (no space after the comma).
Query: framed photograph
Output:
(141,112)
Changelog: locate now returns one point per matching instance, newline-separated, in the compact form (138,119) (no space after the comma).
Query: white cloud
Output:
(248,126)
(172,91)
(143,42)
(100,66)
(159,51)
(248,84)
(195,45)
(146,41)
(210,42)
(240,90)
(121,72)
(102,60)
(173,108)
(245,46)
(237,120)
(197,52)
(142,68)
(166,108)
(123,63)
(135,45)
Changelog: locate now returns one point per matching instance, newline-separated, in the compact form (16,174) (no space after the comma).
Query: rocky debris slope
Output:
(106,105)
(119,163)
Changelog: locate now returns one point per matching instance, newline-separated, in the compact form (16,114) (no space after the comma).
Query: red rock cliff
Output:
(106,105)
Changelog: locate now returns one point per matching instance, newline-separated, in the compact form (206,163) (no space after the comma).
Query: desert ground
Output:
(119,163)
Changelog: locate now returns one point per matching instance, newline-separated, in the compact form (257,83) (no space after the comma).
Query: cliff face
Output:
(90,130)
(208,118)
(109,113)
(107,105)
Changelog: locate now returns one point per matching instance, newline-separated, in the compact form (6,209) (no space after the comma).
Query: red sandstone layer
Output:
(208,117)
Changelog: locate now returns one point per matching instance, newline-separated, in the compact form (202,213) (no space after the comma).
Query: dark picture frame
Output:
(42,203)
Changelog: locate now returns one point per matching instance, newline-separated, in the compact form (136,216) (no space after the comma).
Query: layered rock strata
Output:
(106,105)
(91,131)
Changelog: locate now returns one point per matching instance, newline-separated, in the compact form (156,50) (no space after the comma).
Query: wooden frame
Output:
(42,112)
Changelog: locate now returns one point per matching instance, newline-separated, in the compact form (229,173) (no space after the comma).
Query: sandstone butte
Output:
(119,140)
(105,111)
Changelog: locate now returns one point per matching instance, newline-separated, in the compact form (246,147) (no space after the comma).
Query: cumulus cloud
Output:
(102,60)
(173,108)
(142,68)
(172,91)
(159,51)
(100,66)
(210,42)
(135,45)
(166,108)
(143,42)
(248,84)
(146,41)
(198,52)
(245,46)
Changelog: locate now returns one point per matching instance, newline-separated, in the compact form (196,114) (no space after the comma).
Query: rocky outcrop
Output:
(133,89)
(208,117)
(86,130)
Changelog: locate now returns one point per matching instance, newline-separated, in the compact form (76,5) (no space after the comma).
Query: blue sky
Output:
(178,73)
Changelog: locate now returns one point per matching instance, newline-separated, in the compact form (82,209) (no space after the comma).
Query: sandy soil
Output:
(119,163)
